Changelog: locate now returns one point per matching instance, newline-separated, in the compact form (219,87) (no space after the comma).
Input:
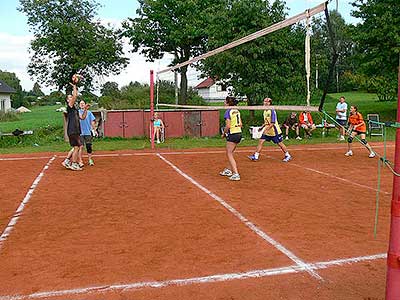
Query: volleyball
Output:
(76,78)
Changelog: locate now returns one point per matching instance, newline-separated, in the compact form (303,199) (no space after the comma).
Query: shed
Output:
(5,96)
(212,91)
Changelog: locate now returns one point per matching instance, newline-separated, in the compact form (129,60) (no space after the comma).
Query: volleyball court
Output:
(165,225)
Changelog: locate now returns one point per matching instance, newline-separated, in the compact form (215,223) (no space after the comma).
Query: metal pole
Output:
(393,258)
(316,77)
(176,87)
(152,108)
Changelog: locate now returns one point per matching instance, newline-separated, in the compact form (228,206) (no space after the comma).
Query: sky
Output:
(15,38)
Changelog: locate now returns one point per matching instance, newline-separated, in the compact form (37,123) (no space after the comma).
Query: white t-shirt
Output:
(341,115)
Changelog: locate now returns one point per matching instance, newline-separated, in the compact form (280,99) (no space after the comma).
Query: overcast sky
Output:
(15,38)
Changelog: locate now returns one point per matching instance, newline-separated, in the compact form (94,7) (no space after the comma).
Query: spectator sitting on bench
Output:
(291,122)
(306,122)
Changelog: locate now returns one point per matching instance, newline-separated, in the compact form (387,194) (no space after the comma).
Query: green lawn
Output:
(48,132)
(40,117)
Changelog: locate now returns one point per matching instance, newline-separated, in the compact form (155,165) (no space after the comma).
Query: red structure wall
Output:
(136,123)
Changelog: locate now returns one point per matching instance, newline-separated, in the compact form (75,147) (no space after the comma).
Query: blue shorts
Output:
(276,139)
(341,122)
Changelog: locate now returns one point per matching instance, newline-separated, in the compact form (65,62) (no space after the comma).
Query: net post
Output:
(152,108)
(393,257)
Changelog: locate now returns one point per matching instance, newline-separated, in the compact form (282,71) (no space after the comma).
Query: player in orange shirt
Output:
(357,126)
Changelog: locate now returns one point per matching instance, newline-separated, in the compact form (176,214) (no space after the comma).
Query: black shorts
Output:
(86,139)
(234,137)
(341,122)
(75,140)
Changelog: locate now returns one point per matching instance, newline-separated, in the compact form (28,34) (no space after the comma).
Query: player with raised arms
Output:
(271,132)
(233,134)
(73,126)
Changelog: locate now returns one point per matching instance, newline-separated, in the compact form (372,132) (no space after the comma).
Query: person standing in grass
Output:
(271,132)
(233,134)
(341,116)
(357,127)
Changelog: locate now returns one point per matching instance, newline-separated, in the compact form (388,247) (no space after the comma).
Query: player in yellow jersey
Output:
(272,132)
(233,134)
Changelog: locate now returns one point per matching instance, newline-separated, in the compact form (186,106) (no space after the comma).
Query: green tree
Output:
(272,65)
(170,26)
(110,89)
(68,39)
(322,51)
(36,91)
(378,41)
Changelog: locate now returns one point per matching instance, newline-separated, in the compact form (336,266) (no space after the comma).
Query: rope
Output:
(256,107)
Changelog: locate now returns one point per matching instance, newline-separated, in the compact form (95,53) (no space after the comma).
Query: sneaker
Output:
(299,138)
(91,162)
(349,153)
(158,141)
(226,172)
(81,165)
(252,157)
(66,163)
(372,155)
(235,177)
(341,138)
(287,158)
(75,167)
(286,138)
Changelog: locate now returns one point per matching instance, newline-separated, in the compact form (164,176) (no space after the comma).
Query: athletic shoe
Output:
(299,138)
(252,157)
(235,177)
(287,158)
(75,167)
(66,163)
(226,172)
(286,138)
(372,155)
(349,153)
(158,141)
(91,162)
(341,138)
(81,165)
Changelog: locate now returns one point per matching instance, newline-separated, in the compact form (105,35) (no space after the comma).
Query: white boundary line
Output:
(198,280)
(330,175)
(245,221)
(18,212)
(194,152)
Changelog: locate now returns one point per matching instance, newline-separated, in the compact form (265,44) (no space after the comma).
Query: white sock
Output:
(287,153)
(256,155)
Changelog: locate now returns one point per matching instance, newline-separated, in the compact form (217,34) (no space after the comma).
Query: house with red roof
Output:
(212,90)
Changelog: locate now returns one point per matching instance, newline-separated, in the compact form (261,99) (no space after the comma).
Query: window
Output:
(3,105)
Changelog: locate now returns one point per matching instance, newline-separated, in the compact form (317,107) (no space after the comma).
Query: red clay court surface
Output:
(143,225)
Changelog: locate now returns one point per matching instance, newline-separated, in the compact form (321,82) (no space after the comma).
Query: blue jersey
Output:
(86,124)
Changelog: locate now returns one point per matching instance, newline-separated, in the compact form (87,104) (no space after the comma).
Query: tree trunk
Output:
(183,86)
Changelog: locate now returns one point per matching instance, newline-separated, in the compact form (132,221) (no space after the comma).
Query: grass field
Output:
(48,128)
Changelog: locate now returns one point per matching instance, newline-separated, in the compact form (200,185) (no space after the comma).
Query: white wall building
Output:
(5,93)
(212,91)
